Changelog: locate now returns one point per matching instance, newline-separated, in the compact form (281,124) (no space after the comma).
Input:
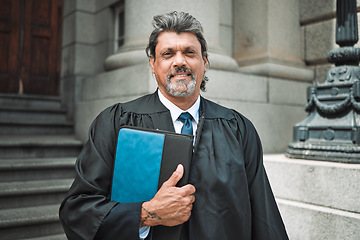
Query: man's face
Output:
(179,66)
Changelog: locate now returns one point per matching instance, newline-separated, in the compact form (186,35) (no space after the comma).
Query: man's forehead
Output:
(173,40)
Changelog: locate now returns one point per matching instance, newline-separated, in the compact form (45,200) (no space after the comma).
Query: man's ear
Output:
(152,61)
(205,62)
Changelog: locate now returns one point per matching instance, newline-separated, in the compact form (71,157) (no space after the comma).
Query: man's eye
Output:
(166,54)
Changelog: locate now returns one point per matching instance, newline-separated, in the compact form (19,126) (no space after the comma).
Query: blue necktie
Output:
(187,128)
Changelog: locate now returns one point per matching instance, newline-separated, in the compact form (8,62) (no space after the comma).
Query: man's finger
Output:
(176,176)
(188,189)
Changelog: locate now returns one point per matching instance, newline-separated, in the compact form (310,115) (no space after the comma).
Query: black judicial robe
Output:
(233,196)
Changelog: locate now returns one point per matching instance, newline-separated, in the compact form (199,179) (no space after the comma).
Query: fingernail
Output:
(179,166)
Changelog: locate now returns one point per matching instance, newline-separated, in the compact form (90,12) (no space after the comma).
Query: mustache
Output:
(180,70)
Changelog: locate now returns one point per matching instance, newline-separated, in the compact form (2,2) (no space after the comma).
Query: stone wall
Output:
(87,40)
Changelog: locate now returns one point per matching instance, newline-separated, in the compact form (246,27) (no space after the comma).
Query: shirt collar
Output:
(175,111)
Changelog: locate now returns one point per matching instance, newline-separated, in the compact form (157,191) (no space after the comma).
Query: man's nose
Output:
(179,60)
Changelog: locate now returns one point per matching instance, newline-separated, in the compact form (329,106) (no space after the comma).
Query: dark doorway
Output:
(30,46)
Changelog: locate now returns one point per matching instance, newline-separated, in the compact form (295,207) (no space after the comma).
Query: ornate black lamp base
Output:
(336,152)
(331,131)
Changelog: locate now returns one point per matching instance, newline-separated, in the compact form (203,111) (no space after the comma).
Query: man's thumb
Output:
(176,176)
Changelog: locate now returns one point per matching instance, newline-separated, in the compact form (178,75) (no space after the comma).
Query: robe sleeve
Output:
(87,212)
(266,220)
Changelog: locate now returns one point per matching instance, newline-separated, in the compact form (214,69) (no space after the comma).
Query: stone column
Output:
(268,38)
(138,18)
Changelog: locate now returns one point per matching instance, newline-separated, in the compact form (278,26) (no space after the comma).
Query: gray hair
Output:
(177,22)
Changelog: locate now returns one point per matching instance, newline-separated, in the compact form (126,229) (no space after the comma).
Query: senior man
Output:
(228,196)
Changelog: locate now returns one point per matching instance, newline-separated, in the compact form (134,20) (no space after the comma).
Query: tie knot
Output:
(185,116)
(187,128)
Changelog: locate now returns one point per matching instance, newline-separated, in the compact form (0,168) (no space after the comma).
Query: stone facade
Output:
(256,82)
(263,54)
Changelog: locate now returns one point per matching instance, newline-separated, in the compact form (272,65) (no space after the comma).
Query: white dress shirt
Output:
(175,112)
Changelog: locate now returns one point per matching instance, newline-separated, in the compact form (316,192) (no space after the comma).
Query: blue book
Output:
(146,158)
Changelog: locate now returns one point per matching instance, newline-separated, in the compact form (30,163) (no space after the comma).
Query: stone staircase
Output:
(37,156)
(317,199)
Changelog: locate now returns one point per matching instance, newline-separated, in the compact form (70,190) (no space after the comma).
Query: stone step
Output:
(33,193)
(32,114)
(36,169)
(329,184)
(30,101)
(38,146)
(308,221)
(43,127)
(30,222)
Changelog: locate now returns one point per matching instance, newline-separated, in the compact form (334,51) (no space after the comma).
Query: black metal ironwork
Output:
(331,131)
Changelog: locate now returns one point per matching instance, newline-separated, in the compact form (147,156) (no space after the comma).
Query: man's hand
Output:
(171,205)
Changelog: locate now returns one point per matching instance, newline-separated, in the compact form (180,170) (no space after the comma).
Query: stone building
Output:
(264,54)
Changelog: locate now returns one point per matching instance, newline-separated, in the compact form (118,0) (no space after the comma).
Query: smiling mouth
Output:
(180,75)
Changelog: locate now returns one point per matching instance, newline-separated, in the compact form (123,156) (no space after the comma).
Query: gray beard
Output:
(171,87)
